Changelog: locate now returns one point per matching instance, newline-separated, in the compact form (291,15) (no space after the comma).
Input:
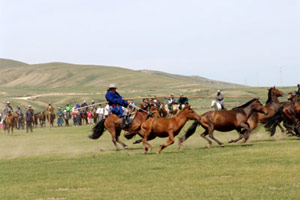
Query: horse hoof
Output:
(231,141)
(208,146)
(126,147)
(222,145)
(158,152)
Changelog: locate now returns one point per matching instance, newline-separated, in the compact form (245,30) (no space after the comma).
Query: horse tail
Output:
(189,132)
(98,130)
(271,123)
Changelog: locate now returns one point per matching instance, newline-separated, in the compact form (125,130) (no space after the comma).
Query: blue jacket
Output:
(115,98)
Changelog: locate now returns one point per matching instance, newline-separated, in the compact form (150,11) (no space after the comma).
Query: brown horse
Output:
(289,114)
(42,119)
(235,119)
(50,118)
(11,122)
(166,127)
(94,115)
(83,116)
(272,105)
(114,125)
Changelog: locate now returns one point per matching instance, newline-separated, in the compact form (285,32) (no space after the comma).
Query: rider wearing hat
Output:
(182,101)
(171,101)
(50,108)
(116,101)
(220,99)
(7,109)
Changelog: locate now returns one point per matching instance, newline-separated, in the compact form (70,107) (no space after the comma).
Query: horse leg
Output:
(169,142)
(112,131)
(211,135)
(118,133)
(203,135)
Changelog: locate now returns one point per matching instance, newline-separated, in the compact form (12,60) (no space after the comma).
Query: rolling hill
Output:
(85,77)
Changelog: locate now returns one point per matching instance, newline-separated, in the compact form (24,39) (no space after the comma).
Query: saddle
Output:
(127,121)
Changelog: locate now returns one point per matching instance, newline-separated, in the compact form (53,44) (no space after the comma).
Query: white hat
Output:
(29,106)
(7,102)
(112,85)
(93,101)
(84,101)
(218,90)
(181,94)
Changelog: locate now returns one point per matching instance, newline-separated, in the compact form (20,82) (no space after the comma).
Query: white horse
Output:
(215,104)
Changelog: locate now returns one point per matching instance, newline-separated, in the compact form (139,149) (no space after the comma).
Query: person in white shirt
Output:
(107,110)
(100,113)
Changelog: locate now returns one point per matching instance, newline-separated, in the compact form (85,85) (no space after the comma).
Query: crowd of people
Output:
(115,104)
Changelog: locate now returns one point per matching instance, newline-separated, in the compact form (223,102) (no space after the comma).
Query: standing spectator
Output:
(93,106)
(60,118)
(74,115)
(100,113)
(29,120)
(89,116)
(106,110)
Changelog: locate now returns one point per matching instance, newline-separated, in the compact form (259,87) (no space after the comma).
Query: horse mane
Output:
(270,95)
(245,104)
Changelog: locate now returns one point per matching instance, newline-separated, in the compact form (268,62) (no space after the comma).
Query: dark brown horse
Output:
(235,119)
(94,115)
(42,119)
(11,122)
(114,125)
(166,127)
(272,105)
(289,114)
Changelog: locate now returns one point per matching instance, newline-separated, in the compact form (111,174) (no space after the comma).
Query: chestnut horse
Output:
(166,127)
(11,122)
(83,116)
(226,120)
(114,125)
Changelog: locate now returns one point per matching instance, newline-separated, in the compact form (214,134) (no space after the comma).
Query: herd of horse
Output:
(244,119)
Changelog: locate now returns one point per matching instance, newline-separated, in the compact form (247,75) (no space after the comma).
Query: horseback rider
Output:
(50,109)
(85,107)
(156,102)
(298,89)
(19,121)
(182,101)
(220,99)
(7,109)
(31,110)
(116,101)
(93,106)
(171,101)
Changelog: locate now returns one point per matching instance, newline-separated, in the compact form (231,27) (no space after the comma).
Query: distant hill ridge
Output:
(85,77)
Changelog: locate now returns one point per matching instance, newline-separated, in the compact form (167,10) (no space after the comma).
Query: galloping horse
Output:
(235,119)
(216,105)
(11,122)
(289,113)
(114,125)
(272,105)
(166,127)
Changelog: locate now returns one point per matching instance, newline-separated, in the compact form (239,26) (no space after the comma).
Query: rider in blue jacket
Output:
(115,100)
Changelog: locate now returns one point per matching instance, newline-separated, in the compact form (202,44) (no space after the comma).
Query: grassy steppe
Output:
(62,163)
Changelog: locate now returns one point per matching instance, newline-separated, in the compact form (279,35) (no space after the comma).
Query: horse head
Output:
(190,113)
(259,107)
(274,91)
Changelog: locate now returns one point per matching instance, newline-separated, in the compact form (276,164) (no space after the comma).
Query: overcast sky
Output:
(253,42)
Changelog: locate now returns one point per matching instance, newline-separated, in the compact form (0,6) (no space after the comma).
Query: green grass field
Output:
(63,163)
